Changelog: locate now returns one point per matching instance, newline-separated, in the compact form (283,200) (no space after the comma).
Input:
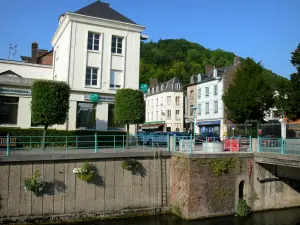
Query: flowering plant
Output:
(131,165)
(86,172)
(35,184)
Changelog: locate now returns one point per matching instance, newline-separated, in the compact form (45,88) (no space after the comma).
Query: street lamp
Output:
(194,108)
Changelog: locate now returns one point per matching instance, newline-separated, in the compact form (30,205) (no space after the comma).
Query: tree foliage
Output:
(296,57)
(250,96)
(129,106)
(50,102)
(166,59)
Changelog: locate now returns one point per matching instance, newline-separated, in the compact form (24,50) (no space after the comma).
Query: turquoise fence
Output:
(279,145)
(10,145)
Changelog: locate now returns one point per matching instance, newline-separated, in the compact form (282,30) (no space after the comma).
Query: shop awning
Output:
(216,122)
(151,126)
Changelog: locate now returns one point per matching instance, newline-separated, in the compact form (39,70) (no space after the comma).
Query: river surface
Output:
(282,217)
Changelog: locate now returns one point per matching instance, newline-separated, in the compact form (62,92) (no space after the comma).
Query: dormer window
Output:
(153,90)
(93,41)
(157,88)
(177,86)
(162,86)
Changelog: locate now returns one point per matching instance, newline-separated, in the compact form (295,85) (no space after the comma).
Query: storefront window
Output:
(8,110)
(86,115)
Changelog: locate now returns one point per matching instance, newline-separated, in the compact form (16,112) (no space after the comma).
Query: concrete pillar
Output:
(101,116)
(283,128)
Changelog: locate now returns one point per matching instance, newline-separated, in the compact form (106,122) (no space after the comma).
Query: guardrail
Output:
(10,145)
(279,145)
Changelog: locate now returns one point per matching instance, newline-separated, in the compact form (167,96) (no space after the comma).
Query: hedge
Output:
(26,138)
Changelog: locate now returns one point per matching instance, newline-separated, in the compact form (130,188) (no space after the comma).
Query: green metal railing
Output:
(279,145)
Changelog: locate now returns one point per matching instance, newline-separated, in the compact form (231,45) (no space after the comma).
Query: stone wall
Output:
(208,185)
(113,191)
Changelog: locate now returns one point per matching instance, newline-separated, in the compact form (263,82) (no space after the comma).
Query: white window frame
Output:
(168,100)
(114,46)
(199,109)
(215,89)
(177,86)
(177,114)
(199,93)
(207,108)
(91,77)
(216,105)
(206,91)
(115,86)
(156,102)
(169,116)
(162,86)
(93,41)
(177,102)
(162,101)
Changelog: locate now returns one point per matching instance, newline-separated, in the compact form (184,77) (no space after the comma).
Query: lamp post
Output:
(194,117)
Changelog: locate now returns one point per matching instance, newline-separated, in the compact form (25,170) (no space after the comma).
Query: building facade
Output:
(164,106)
(210,114)
(96,50)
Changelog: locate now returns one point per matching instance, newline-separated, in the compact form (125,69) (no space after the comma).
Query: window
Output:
(161,101)
(207,91)
(162,115)
(169,100)
(192,95)
(191,110)
(152,103)
(216,107)
(156,115)
(215,89)
(110,121)
(207,108)
(199,93)
(93,41)
(177,100)
(116,44)
(153,90)
(162,87)
(177,86)
(148,116)
(148,104)
(177,114)
(199,109)
(86,115)
(156,101)
(116,79)
(91,76)
(151,116)
(168,114)
(8,110)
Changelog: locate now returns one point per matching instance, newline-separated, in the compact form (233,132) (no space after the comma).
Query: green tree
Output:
(296,57)
(129,108)
(249,97)
(50,103)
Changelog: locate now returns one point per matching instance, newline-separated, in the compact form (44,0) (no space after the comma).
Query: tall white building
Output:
(208,90)
(96,50)
(164,106)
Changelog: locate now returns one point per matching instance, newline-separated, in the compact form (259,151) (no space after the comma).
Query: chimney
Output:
(153,82)
(34,52)
(236,60)
(208,69)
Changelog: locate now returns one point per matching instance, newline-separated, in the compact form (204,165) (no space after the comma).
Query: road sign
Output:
(94,97)
(144,88)
(233,126)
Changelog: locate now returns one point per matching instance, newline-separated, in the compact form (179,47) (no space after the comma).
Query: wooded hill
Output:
(180,58)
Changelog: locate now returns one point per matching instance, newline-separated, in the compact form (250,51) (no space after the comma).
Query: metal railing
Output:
(15,145)
(279,145)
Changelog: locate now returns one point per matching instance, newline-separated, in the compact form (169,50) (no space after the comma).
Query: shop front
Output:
(209,126)
(153,126)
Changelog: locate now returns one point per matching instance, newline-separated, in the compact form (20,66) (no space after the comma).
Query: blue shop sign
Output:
(216,122)
(15,91)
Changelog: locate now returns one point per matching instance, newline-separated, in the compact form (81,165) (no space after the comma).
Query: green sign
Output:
(144,88)
(155,122)
(94,97)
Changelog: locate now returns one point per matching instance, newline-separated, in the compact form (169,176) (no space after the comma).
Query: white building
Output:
(96,51)
(164,106)
(210,115)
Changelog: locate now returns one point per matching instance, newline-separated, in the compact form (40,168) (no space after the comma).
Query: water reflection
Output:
(282,217)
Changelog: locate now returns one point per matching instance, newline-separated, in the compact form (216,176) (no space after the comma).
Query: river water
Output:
(282,217)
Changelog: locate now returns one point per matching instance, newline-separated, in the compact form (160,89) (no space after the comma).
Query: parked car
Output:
(207,136)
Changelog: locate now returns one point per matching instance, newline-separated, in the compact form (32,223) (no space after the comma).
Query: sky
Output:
(266,30)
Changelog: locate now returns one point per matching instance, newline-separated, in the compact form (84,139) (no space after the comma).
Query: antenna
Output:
(12,50)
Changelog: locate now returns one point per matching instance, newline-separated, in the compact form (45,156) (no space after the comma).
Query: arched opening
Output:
(241,189)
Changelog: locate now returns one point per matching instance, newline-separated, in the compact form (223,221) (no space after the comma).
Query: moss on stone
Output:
(219,195)
(224,166)
(176,210)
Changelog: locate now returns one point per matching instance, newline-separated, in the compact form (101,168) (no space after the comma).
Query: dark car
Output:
(207,136)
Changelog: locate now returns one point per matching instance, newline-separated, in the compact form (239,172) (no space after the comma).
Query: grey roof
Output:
(103,10)
(168,86)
